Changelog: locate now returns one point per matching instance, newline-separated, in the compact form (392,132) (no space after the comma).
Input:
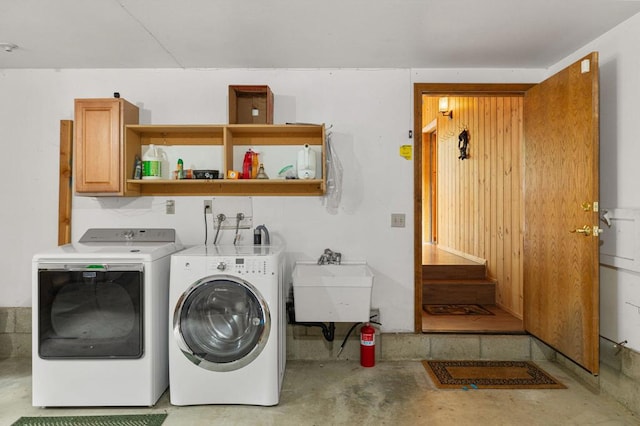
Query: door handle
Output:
(585,230)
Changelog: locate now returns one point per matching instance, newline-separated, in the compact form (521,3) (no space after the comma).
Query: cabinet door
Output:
(99,133)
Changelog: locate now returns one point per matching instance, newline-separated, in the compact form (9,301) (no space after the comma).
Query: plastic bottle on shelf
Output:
(306,164)
(137,170)
(180,170)
(152,164)
(250,165)
(247,165)
(255,164)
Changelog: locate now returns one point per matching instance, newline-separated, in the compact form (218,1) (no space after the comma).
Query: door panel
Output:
(222,323)
(561,282)
(86,313)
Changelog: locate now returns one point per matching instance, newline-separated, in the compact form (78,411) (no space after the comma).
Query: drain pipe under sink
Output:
(328,330)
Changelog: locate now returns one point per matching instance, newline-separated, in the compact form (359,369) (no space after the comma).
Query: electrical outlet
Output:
(208,206)
(374,315)
(170,207)
(397,220)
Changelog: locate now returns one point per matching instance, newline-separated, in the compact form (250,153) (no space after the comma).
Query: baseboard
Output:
(504,308)
(462,254)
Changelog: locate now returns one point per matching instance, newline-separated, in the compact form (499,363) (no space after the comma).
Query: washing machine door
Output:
(221,323)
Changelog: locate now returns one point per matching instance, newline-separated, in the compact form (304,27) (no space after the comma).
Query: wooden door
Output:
(561,282)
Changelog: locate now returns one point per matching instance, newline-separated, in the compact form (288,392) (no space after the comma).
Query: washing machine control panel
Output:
(243,266)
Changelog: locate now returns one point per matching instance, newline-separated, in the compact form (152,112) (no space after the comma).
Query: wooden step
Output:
(466,291)
(473,271)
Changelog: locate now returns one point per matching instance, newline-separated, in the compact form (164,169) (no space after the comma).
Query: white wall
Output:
(370,111)
(619,59)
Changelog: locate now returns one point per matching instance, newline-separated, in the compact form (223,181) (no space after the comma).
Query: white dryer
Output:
(99,314)
(227,325)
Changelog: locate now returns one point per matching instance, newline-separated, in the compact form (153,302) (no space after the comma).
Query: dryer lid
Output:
(110,244)
(131,235)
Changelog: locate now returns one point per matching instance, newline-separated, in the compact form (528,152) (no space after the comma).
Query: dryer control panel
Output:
(242,266)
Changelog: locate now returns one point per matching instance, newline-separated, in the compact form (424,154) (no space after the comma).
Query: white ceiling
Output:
(302,33)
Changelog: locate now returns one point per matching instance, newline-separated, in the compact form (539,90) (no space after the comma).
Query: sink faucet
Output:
(330,257)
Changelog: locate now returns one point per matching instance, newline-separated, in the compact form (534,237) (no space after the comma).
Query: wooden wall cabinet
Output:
(99,145)
(226,137)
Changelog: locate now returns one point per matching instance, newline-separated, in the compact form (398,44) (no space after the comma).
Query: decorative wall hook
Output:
(463,144)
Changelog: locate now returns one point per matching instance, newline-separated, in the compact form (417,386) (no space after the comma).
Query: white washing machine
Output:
(227,325)
(99,312)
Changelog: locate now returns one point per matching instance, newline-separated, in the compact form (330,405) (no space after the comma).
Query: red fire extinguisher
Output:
(367,346)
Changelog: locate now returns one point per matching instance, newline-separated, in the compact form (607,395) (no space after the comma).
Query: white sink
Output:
(347,274)
(332,293)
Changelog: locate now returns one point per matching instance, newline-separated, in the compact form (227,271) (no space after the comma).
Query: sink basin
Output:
(347,274)
(332,293)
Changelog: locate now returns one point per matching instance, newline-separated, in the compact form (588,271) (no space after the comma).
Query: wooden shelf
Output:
(104,166)
(269,187)
(227,136)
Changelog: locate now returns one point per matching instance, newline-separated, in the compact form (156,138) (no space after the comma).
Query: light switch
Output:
(397,220)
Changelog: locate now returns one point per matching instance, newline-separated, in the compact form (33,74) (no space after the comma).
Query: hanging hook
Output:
(463,145)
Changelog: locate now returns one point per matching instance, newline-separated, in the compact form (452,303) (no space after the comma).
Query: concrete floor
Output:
(343,393)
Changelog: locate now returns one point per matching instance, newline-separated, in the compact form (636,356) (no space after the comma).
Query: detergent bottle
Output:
(247,165)
(152,164)
(255,165)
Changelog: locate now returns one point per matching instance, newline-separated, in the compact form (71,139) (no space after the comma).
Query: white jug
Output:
(152,164)
(306,163)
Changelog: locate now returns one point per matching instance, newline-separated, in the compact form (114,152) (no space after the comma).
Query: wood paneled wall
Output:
(429,115)
(429,109)
(480,202)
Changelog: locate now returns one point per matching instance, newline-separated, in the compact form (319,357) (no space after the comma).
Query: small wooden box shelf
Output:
(244,100)
(228,137)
